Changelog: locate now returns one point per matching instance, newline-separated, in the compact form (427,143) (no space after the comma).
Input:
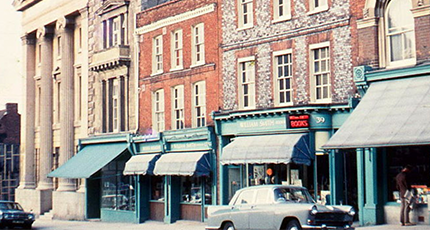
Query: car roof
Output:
(273,186)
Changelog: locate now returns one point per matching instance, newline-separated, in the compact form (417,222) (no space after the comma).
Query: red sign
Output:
(298,121)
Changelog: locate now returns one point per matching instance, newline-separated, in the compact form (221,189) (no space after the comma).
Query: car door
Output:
(240,210)
(261,213)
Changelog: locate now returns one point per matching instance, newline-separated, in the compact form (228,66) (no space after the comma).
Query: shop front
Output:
(150,197)
(110,195)
(278,146)
(388,130)
(187,170)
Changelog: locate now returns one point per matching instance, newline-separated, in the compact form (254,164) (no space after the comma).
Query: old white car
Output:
(277,207)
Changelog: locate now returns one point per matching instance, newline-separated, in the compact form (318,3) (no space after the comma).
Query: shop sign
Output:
(181,146)
(297,121)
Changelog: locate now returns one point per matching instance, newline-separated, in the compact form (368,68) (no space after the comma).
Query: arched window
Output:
(400,33)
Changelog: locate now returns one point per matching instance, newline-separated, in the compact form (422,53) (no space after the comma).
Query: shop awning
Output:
(183,164)
(392,113)
(141,164)
(89,160)
(268,149)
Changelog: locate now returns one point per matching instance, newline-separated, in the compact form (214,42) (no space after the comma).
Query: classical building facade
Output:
(55,117)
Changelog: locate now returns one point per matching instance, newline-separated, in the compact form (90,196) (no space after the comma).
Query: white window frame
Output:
(176,50)
(402,31)
(284,8)
(320,73)
(322,5)
(249,82)
(198,102)
(245,19)
(157,54)
(178,118)
(114,99)
(158,115)
(198,45)
(276,79)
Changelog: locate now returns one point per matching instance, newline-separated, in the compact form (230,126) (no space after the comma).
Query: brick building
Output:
(179,77)
(10,127)
(389,128)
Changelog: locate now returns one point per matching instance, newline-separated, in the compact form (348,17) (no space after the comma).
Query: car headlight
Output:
(314,210)
(30,216)
(351,212)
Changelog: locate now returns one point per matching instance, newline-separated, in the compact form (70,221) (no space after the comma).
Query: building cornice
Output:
(175,19)
(21,5)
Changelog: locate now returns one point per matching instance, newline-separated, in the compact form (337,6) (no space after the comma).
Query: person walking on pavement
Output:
(404,186)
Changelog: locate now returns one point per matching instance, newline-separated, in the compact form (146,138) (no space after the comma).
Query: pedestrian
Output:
(404,186)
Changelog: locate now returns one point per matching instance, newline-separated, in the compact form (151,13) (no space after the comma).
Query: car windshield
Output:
(296,195)
(10,206)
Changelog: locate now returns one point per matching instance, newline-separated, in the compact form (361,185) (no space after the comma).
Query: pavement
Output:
(155,225)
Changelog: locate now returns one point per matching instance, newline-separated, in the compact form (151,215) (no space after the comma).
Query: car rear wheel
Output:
(293,225)
(228,226)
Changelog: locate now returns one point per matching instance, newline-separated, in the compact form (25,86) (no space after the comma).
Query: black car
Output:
(12,215)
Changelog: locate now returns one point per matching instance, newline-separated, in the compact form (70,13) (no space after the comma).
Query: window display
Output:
(157,188)
(117,190)
(192,189)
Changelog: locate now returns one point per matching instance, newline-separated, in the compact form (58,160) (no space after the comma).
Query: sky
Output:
(11,74)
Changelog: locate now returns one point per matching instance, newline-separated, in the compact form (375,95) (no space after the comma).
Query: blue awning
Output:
(89,160)
(268,149)
(141,164)
(183,164)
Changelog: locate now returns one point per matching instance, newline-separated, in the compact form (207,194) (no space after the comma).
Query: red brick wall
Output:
(422,32)
(187,76)
(10,125)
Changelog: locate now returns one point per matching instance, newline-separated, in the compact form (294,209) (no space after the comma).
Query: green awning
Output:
(89,160)
(391,113)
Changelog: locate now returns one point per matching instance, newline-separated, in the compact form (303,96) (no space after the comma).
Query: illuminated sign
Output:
(297,121)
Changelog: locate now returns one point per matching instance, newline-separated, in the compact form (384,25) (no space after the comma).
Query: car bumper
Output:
(347,227)
(16,222)
(211,228)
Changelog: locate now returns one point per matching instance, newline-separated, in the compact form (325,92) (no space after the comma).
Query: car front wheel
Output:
(228,226)
(293,225)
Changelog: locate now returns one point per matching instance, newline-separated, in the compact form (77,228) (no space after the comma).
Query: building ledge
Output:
(110,58)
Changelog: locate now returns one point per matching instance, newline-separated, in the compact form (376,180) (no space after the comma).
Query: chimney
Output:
(12,107)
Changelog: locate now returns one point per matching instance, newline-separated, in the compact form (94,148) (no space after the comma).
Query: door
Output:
(261,212)
(241,209)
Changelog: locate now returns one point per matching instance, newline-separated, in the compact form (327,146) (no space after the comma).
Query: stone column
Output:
(45,34)
(27,177)
(65,27)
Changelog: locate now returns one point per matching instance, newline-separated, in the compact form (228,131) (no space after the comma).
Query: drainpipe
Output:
(136,71)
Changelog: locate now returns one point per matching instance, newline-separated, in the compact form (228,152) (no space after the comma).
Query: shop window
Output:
(400,34)
(178,120)
(320,70)
(192,190)
(245,13)
(419,158)
(199,104)
(281,10)
(158,110)
(198,45)
(283,74)
(118,191)
(176,50)
(157,188)
(246,75)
